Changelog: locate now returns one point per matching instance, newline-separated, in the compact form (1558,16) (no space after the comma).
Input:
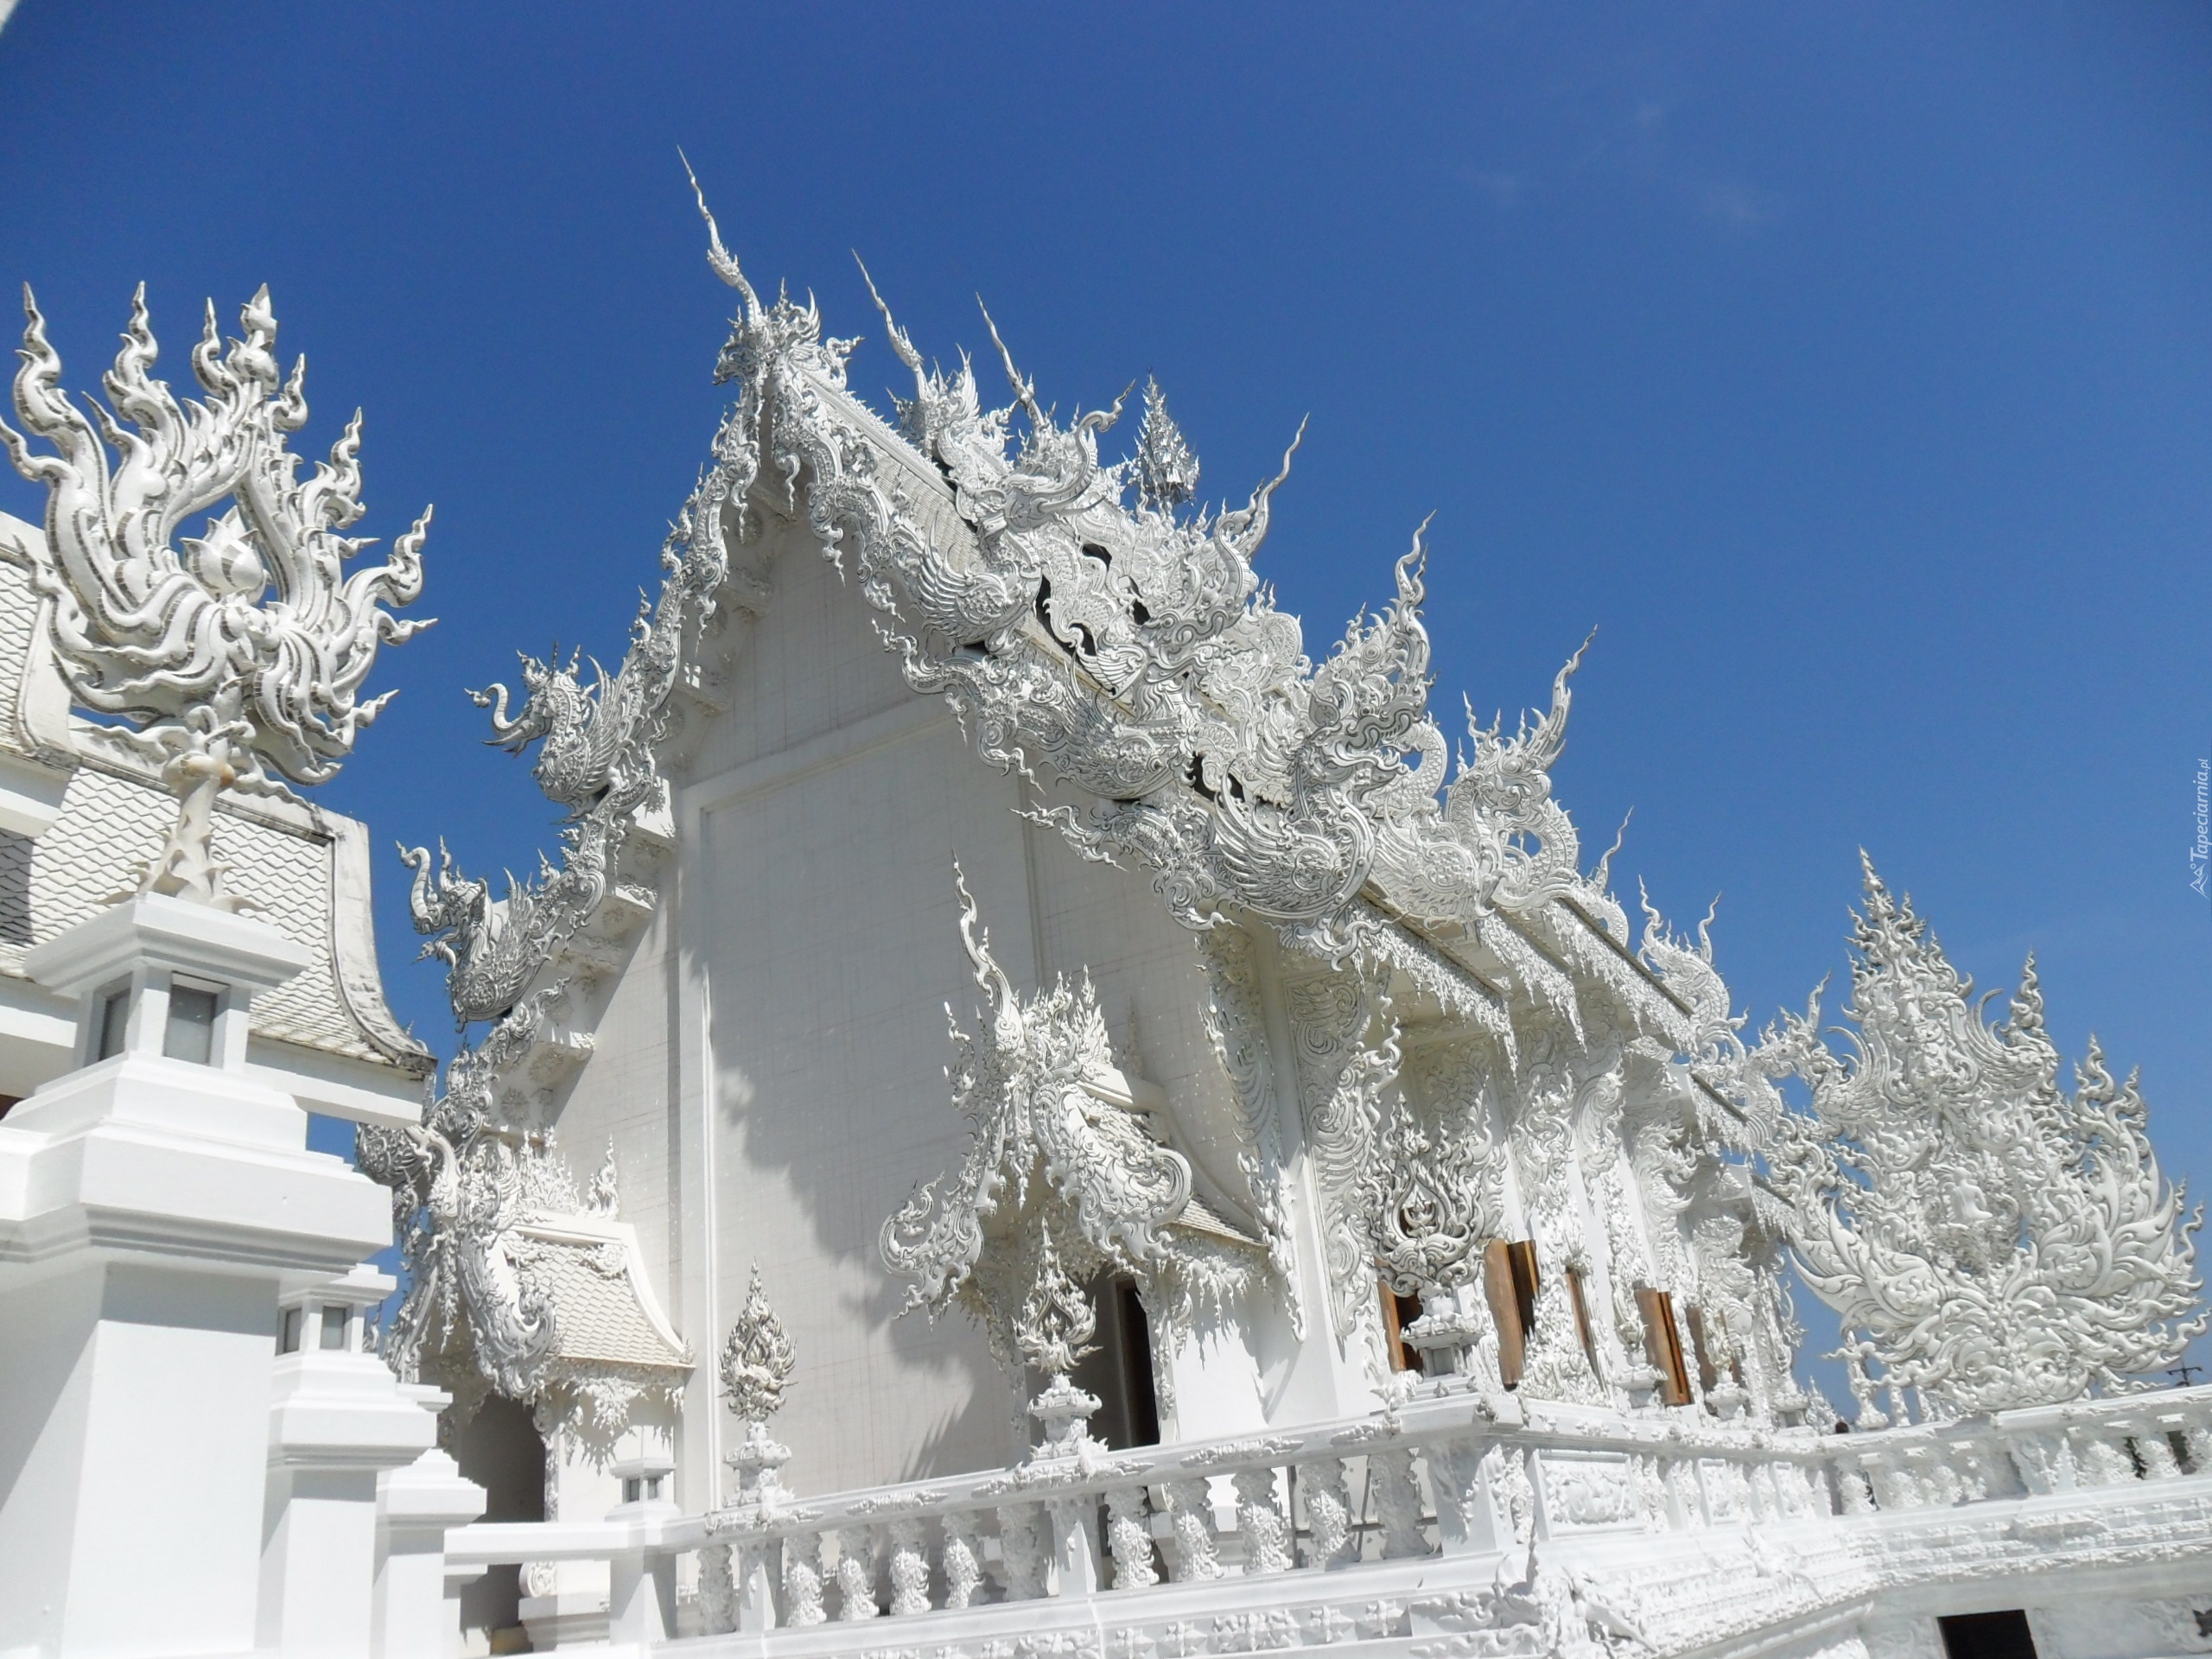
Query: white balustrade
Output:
(1458,1473)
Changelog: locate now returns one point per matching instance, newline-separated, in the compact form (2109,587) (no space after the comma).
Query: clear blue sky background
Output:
(1850,366)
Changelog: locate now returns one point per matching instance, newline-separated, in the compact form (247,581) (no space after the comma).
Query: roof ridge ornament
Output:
(235,657)
(1167,468)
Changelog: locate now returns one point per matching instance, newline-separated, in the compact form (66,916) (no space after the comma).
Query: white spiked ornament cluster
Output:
(236,657)
(1988,1237)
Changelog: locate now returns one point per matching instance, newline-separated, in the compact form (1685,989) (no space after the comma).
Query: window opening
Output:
(1662,1344)
(333,1326)
(1500,1285)
(191,1033)
(115,1021)
(288,1331)
(1398,1312)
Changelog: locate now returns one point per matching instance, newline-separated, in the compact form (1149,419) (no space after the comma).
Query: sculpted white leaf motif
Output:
(1059,1182)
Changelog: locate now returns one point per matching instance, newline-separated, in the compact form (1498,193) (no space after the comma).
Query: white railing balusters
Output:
(1335,1496)
(855,1573)
(1330,1538)
(910,1568)
(1258,1518)
(803,1580)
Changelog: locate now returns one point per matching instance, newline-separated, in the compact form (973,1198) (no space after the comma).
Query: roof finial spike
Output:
(725,265)
(901,345)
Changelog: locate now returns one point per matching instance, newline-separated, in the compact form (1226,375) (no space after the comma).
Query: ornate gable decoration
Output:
(1989,1238)
(1059,1182)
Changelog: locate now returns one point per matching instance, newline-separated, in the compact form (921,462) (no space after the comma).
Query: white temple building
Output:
(1332,1219)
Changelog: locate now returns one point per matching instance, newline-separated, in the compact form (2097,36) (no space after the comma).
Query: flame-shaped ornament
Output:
(235,657)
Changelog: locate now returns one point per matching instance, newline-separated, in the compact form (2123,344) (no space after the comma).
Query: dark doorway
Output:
(1120,1372)
(499,1448)
(1988,1635)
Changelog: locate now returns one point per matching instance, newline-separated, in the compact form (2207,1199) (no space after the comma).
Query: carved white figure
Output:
(1991,1239)
(237,655)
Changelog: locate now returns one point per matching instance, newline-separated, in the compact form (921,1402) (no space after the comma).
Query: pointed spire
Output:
(1167,471)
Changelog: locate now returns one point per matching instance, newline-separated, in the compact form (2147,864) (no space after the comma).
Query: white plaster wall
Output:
(626,1093)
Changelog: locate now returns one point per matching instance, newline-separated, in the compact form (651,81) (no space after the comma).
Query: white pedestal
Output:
(417,1599)
(151,1211)
(338,1419)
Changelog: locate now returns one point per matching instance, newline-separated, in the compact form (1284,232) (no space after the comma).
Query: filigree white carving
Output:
(757,1359)
(236,657)
(1996,1240)
(1235,1023)
(1059,1181)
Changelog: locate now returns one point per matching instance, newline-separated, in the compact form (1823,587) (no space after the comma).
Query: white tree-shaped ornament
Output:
(1991,1239)
(235,657)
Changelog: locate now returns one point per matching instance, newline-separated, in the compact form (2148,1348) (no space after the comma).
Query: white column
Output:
(641,1586)
(151,1210)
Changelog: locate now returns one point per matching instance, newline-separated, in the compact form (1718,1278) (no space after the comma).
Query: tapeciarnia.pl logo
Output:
(2200,855)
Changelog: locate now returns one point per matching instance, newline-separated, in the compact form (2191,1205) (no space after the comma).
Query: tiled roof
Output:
(603,1309)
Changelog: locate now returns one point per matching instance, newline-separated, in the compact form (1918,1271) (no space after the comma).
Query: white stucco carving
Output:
(1990,1238)
(237,655)
(1060,1181)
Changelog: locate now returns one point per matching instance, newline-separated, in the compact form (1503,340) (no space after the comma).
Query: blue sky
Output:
(1848,366)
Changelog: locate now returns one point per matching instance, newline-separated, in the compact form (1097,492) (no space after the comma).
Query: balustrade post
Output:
(1470,1518)
(641,1579)
(2108,1465)
(1075,1546)
(803,1573)
(1022,1552)
(1397,1501)
(910,1569)
(963,1559)
(415,1613)
(755,1590)
(1190,1516)
(1854,1488)
(1129,1538)
(856,1574)
(1329,1540)
(1260,1519)
(717,1590)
